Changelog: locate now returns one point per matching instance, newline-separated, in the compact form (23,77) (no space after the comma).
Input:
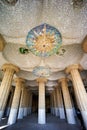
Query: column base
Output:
(56,112)
(84,116)
(70,116)
(41,116)
(61,113)
(12,116)
(20,113)
(8,111)
(25,111)
(1,114)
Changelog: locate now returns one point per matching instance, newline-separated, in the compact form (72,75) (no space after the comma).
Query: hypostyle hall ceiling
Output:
(18,19)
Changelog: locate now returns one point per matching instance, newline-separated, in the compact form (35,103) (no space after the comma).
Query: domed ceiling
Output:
(19,17)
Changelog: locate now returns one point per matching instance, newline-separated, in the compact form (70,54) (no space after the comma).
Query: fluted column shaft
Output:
(60,103)
(21,106)
(15,102)
(30,103)
(67,101)
(10,102)
(41,105)
(25,103)
(9,70)
(57,103)
(80,91)
(52,103)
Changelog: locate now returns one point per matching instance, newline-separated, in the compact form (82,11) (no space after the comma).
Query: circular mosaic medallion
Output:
(41,71)
(44,40)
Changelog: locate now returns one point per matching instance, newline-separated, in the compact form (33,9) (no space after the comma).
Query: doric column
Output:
(9,71)
(56,102)
(25,102)
(21,106)
(52,103)
(41,106)
(60,103)
(30,103)
(15,102)
(10,102)
(67,101)
(79,89)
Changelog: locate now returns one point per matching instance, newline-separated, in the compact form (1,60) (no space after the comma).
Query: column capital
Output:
(41,80)
(21,80)
(73,67)
(2,43)
(10,66)
(63,80)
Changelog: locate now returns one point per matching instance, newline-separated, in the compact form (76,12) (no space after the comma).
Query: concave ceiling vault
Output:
(19,17)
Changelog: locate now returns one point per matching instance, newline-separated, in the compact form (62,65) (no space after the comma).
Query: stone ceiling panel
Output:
(11,54)
(73,54)
(16,21)
(56,62)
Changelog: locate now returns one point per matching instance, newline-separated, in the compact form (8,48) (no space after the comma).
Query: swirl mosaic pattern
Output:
(41,71)
(44,40)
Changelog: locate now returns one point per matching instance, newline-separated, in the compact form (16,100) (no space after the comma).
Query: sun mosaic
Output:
(44,40)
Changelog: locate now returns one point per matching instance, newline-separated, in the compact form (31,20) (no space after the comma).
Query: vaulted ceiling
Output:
(19,17)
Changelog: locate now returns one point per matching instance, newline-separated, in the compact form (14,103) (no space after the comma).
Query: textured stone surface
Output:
(28,14)
(56,62)
(16,21)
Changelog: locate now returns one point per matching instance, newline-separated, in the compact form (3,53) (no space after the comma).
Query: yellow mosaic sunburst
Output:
(44,40)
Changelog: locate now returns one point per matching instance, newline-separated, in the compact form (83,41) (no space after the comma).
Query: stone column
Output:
(21,106)
(9,70)
(55,102)
(67,101)
(15,102)
(30,103)
(41,105)
(60,103)
(51,102)
(25,103)
(79,89)
(57,106)
(10,102)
